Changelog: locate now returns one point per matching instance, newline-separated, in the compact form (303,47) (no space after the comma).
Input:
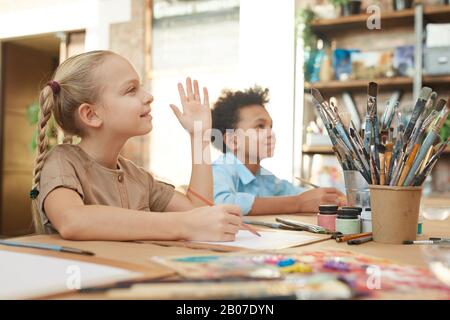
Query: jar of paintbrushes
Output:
(390,157)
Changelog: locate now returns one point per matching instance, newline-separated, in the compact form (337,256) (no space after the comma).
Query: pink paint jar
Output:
(327,216)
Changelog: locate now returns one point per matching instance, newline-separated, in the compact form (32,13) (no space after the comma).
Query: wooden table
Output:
(135,255)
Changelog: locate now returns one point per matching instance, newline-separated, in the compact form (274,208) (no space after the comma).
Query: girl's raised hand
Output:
(194,110)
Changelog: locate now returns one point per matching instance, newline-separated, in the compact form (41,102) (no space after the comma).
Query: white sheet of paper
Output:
(269,240)
(24,276)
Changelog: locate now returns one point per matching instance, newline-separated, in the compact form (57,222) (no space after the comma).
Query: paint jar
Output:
(327,216)
(347,221)
(366,220)
(359,209)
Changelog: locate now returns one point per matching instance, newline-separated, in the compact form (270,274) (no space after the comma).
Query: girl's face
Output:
(125,110)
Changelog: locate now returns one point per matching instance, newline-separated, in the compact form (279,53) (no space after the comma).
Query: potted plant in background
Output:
(312,56)
(33,119)
(348,7)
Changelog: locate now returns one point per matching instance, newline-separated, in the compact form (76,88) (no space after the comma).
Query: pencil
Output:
(209,203)
(304,181)
(45,246)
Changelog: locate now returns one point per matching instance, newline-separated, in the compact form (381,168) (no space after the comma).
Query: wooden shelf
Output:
(317,149)
(390,19)
(437,14)
(436,80)
(329,150)
(384,83)
(357,85)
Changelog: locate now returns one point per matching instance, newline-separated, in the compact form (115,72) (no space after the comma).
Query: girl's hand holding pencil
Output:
(196,115)
(234,210)
(218,223)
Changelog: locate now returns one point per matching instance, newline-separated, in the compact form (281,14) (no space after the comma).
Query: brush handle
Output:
(382,174)
(387,160)
(418,108)
(367,134)
(431,137)
(409,161)
(376,137)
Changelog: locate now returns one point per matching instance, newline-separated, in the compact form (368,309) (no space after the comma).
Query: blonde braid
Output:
(47,102)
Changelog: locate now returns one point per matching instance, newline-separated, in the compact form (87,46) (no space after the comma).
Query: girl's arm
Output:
(196,119)
(76,221)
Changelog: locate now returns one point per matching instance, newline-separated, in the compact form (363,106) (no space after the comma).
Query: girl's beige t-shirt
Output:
(129,186)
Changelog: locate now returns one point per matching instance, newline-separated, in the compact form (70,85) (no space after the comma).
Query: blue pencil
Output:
(45,246)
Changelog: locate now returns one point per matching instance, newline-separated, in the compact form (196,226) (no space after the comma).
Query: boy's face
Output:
(254,137)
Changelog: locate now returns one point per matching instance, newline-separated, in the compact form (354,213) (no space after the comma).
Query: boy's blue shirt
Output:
(235,184)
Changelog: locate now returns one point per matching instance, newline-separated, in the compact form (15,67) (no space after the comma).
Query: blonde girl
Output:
(88,191)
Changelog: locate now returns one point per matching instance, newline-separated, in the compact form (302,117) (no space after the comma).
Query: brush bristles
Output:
(372,89)
(425,93)
(440,104)
(316,95)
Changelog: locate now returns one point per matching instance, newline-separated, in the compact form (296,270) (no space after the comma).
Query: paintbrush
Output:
(306,182)
(429,140)
(425,93)
(382,150)
(337,131)
(396,151)
(418,134)
(431,104)
(369,129)
(397,169)
(420,178)
(373,167)
(388,155)
(422,123)
(427,157)
(408,164)
(440,105)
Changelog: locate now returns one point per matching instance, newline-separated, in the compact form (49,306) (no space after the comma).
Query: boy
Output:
(247,138)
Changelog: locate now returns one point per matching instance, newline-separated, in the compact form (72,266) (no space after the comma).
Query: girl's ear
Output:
(88,116)
(230,140)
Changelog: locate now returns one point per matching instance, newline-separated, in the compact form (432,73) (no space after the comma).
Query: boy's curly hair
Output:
(225,113)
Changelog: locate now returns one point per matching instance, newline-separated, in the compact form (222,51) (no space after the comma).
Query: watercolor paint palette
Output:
(365,275)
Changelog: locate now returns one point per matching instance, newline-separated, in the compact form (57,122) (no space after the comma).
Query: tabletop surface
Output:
(135,255)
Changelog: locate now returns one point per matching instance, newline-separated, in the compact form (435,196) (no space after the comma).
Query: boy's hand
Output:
(194,110)
(309,201)
(218,223)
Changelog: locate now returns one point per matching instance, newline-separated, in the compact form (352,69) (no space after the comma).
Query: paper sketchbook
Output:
(269,240)
(27,276)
